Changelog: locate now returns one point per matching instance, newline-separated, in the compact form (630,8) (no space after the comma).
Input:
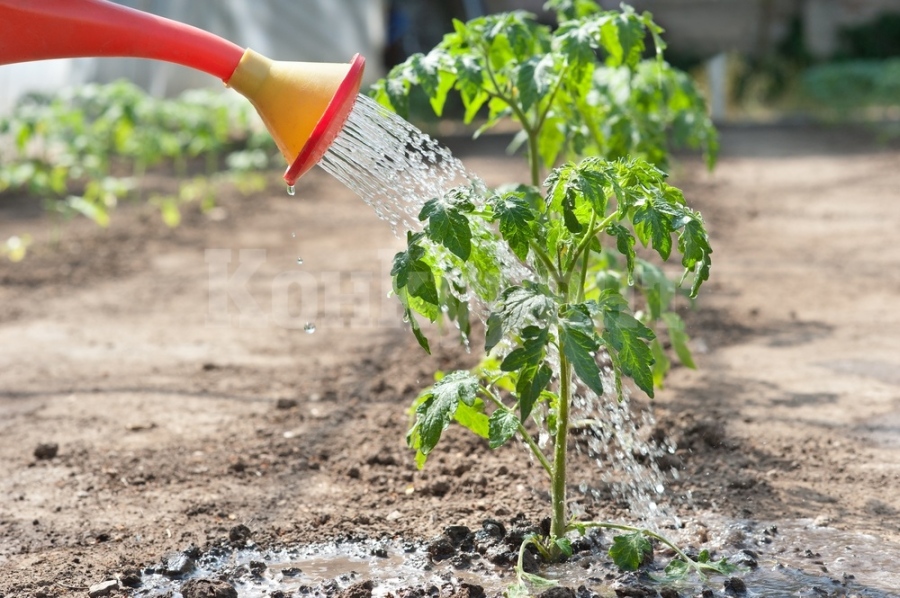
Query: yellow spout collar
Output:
(290,97)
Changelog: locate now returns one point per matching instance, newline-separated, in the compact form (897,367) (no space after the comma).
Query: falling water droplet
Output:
(293,235)
(299,261)
(309,328)
(290,189)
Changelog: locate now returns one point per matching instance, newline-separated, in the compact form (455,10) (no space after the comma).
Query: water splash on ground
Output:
(796,558)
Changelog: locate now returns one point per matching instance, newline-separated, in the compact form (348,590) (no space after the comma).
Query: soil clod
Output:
(441,549)
(558,592)
(239,534)
(735,585)
(178,565)
(359,590)
(285,404)
(103,589)
(208,588)
(46,451)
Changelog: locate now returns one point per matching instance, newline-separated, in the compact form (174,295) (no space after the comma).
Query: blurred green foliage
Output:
(845,87)
(84,149)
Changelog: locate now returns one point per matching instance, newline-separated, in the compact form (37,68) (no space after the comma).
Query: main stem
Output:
(559,518)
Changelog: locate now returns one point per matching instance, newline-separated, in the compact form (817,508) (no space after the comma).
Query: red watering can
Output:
(304,105)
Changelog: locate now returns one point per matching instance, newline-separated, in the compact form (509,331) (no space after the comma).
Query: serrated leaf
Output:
(448,226)
(397,91)
(522,305)
(653,225)
(629,338)
(515,218)
(530,353)
(628,551)
(579,344)
(534,78)
(531,383)
(625,245)
(693,243)
(623,38)
(503,426)
(439,406)
(473,418)
(722,566)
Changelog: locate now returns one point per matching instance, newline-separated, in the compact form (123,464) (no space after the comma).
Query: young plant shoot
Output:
(553,261)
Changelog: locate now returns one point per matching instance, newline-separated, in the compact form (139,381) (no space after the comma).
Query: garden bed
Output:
(175,427)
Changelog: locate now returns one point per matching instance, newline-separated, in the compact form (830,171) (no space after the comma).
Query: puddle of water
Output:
(793,558)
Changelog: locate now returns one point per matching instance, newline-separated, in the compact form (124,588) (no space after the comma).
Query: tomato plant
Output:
(554,261)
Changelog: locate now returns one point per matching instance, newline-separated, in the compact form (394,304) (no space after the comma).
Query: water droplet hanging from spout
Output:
(291,190)
(309,328)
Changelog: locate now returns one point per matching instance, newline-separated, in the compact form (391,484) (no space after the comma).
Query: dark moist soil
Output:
(138,421)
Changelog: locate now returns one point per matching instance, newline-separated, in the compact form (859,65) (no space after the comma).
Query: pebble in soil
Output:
(792,559)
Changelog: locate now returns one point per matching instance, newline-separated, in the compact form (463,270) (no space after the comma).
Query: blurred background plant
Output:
(85,149)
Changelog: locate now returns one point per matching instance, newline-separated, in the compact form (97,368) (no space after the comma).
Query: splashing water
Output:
(395,169)
(392,165)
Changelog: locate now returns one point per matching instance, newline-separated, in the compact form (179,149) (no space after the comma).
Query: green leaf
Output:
(535,339)
(448,226)
(417,331)
(577,337)
(531,383)
(625,246)
(679,338)
(534,79)
(439,406)
(522,305)
(653,224)
(503,426)
(564,546)
(494,333)
(515,222)
(693,243)
(473,418)
(623,38)
(661,362)
(629,338)
(628,551)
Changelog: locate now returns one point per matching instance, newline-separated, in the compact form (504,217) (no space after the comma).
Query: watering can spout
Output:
(303,105)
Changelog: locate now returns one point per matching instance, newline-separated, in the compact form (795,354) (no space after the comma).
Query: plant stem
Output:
(546,260)
(538,453)
(558,483)
(534,158)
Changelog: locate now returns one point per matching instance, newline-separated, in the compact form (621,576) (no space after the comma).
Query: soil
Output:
(148,404)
